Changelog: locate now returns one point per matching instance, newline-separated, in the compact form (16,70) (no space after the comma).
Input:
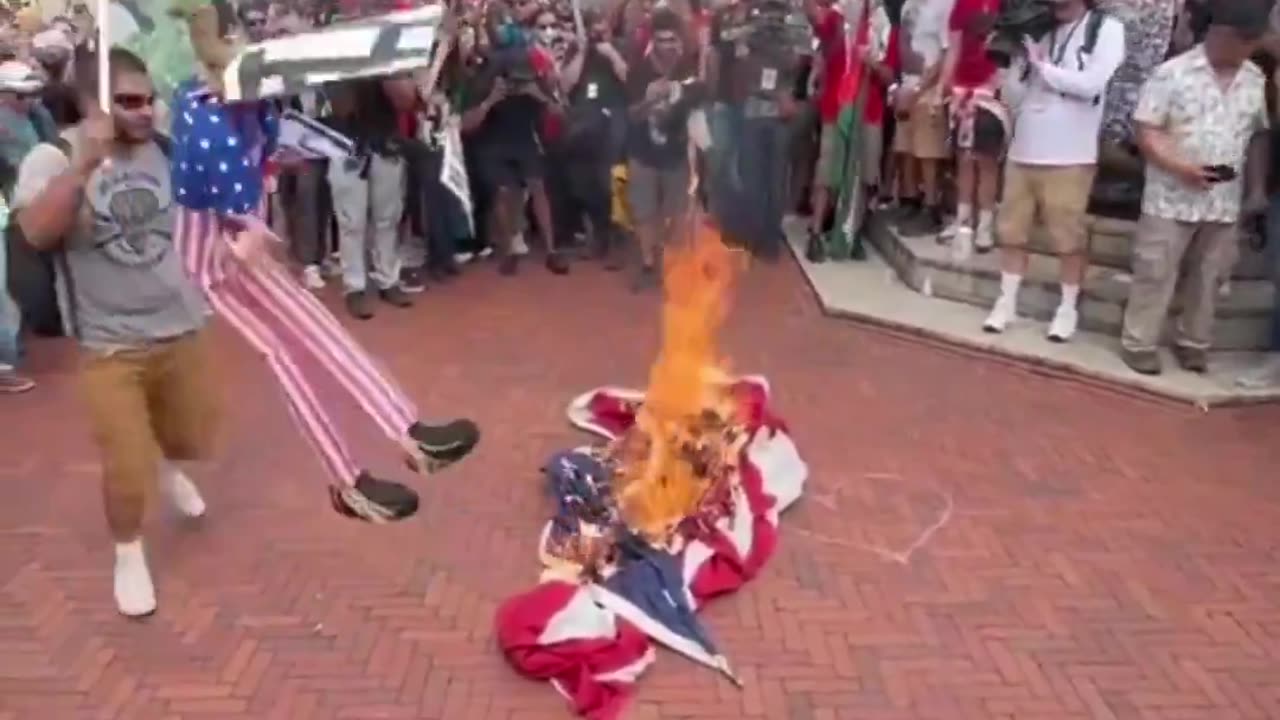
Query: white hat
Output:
(52,38)
(18,77)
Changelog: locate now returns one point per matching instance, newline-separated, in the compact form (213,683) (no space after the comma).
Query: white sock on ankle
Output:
(1009,284)
(135,594)
(964,211)
(181,491)
(1070,295)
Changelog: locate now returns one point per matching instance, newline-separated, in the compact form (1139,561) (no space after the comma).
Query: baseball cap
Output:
(1249,18)
(19,77)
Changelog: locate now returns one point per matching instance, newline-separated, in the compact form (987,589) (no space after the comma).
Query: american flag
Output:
(592,641)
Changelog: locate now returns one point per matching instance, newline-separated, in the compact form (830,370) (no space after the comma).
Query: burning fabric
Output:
(679,505)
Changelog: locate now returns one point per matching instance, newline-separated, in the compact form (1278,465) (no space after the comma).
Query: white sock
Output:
(964,211)
(1070,295)
(1009,284)
(984,220)
(181,491)
(135,594)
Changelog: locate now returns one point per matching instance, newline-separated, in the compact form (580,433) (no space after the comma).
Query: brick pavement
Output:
(1106,557)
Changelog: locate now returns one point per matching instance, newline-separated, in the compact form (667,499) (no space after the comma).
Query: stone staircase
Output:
(1244,312)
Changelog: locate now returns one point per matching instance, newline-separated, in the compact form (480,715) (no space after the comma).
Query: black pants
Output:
(580,188)
(435,214)
(308,210)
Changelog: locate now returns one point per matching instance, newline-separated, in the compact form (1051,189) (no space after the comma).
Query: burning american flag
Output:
(679,505)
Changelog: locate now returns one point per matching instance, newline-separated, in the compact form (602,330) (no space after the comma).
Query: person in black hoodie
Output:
(594,79)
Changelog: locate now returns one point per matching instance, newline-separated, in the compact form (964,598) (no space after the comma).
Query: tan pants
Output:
(1058,194)
(146,405)
(1159,247)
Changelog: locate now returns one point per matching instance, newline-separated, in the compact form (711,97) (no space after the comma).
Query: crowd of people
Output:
(584,135)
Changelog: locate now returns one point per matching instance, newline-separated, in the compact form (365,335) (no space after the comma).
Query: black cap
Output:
(1249,18)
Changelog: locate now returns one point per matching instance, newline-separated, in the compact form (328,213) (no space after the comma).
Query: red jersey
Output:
(835,63)
(972,19)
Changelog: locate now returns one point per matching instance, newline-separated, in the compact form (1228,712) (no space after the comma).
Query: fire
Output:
(679,444)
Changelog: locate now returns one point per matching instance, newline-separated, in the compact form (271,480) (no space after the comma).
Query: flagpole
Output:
(102,8)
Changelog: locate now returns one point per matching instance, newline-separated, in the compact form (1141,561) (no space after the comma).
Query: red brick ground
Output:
(1108,557)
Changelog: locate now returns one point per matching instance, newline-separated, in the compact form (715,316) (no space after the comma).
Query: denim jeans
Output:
(725,184)
(10,317)
(756,204)
(1273,252)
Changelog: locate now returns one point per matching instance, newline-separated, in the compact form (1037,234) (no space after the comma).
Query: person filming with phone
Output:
(1054,152)
(1197,118)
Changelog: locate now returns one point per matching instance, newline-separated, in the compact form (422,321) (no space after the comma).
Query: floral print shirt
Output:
(1208,126)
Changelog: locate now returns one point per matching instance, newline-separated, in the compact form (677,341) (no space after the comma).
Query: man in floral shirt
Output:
(1196,117)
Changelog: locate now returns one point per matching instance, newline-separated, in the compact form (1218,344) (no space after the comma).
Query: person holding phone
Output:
(1198,116)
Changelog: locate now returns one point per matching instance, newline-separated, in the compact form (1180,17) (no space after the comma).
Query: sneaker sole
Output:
(351,503)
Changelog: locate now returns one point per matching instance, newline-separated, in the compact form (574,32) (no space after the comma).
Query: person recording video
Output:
(1053,153)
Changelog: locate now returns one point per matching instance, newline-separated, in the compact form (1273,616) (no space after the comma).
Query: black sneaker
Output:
(358,305)
(557,263)
(413,280)
(374,500)
(646,279)
(858,251)
(396,297)
(442,445)
(815,251)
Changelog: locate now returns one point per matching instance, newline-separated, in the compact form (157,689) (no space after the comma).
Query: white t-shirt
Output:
(1059,116)
(929,31)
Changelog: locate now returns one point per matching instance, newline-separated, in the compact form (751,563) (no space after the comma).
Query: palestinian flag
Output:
(870,31)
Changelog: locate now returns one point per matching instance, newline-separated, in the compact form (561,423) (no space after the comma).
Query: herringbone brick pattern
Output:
(1103,557)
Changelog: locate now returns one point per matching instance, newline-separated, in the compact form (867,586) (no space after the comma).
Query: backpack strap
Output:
(1092,27)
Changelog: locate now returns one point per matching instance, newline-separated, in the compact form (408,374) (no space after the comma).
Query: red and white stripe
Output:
(582,638)
(282,321)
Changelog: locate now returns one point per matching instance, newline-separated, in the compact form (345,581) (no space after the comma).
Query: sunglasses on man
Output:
(133,101)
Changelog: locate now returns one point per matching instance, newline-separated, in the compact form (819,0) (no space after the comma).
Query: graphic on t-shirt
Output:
(131,222)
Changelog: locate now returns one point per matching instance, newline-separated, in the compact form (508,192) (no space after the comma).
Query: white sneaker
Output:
(519,246)
(312,278)
(463,258)
(332,266)
(1002,314)
(183,493)
(1064,323)
(985,239)
(134,591)
(962,244)
(485,252)
(1264,376)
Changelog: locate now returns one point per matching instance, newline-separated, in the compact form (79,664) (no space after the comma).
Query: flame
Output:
(659,484)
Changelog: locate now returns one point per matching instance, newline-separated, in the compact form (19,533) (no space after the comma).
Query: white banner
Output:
(453,170)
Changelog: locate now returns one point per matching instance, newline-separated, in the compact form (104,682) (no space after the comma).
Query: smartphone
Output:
(1220,173)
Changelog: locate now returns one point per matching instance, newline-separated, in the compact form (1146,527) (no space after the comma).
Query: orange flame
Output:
(658,485)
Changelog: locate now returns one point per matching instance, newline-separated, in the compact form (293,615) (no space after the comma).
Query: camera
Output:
(1016,20)
(515,67)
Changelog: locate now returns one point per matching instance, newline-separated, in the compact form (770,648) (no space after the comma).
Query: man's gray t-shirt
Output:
(120,278)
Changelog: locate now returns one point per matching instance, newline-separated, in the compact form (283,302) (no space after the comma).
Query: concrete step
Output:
(1243,321)
(1110,241)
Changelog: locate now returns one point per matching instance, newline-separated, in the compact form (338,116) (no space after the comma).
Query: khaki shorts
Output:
(902,138)
(148,404)
(827,169)
(929,130)
(1058,194)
